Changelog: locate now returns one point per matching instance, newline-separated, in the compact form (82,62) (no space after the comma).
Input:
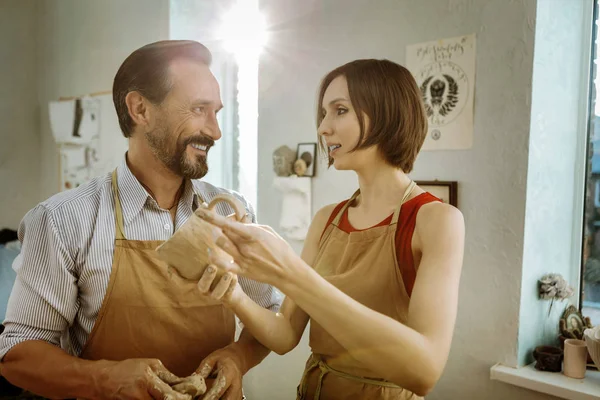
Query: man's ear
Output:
(138,108)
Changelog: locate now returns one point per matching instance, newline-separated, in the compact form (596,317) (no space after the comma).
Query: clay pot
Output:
(575,358)
(189,249)
(548,358)
(562,339)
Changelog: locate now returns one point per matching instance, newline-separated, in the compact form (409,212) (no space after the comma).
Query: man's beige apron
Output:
(145,315)
(363,265)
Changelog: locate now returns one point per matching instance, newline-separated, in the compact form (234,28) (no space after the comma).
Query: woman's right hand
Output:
(254,251)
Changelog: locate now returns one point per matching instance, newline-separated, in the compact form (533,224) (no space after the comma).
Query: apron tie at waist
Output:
(317,361)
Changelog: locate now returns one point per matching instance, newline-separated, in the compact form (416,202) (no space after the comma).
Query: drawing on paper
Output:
(445,72)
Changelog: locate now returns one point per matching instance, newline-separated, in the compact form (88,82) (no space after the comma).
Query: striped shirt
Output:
(67,253)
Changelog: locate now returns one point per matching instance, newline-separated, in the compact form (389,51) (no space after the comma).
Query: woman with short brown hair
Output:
(379,273)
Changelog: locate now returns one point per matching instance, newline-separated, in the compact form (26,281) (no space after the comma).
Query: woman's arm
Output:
(412,355)
(281,332)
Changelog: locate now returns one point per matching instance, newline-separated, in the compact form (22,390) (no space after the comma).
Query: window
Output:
(590,276)
(195,20)
(235,32)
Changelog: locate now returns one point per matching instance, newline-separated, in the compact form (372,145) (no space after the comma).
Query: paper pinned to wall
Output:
(76,163)
(445,72)
(99,145)
(75,121)
(296,206)
(74,157)
(89,114)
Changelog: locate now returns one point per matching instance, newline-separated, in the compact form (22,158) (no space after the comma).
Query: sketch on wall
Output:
(88,136)
(445,72)
(75,121)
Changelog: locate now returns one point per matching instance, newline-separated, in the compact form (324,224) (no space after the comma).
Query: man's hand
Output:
(226,366)
(227,290)
(137,379)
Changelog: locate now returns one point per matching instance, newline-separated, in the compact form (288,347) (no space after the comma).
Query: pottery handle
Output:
(238,207)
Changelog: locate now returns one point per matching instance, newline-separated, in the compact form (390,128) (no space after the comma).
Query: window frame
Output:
(586,151)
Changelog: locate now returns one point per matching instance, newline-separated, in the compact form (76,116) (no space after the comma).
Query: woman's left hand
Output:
(258,252)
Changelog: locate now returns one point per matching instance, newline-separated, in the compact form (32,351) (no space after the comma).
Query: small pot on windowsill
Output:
(548,358)
(562,339)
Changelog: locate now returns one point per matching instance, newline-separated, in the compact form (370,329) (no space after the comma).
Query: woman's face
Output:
(340,128)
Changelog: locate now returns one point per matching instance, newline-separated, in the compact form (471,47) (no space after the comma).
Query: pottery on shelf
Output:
(548,358)
(283,161)
(592,341)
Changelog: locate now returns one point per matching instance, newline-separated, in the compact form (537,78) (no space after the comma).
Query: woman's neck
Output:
(381,187)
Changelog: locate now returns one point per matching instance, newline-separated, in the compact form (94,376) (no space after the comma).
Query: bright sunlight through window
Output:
(243,32)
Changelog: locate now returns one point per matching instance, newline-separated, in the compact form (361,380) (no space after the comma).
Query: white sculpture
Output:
(296,206)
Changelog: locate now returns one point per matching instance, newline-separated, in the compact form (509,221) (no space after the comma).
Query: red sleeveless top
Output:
(404,233)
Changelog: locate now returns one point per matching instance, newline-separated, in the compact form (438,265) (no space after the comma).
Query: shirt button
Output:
(167,227)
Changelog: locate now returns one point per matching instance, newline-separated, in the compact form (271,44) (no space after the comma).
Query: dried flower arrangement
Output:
(554,287)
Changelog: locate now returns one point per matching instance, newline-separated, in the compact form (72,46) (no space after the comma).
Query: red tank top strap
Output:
(334,213)
(404,233)
(405,229)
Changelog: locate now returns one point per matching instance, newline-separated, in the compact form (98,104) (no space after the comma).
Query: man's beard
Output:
(174,157)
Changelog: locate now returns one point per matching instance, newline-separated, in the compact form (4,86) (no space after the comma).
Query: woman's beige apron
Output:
(363,265)
(145,315)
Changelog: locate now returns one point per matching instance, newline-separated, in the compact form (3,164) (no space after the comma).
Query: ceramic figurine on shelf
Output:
(283,161)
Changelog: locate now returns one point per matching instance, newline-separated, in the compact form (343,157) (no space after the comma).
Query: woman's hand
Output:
(258,252)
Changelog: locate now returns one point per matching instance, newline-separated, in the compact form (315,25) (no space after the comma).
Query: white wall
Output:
(311,38)
(81,46)
(19,113)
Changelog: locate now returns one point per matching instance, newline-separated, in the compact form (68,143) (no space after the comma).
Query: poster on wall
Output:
(445,72)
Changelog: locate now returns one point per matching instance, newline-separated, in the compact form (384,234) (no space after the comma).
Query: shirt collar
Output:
(134,196)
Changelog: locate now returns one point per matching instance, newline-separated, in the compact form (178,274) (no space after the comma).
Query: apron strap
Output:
(119,227)
(338,217)
(407,193)
(317,361)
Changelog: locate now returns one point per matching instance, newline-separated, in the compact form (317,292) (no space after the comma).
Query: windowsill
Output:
(552,383)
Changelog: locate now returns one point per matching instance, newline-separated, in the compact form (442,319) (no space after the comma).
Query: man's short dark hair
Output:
(146,71)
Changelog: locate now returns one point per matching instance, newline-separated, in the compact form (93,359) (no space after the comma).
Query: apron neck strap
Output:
(411,186)
(119,227)
(338,217)
(409,189)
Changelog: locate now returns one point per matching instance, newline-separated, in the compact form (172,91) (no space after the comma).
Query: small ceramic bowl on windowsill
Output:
(592,341)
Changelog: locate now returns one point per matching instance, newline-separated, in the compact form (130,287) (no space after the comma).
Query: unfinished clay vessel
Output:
(188,250)
(193,385)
